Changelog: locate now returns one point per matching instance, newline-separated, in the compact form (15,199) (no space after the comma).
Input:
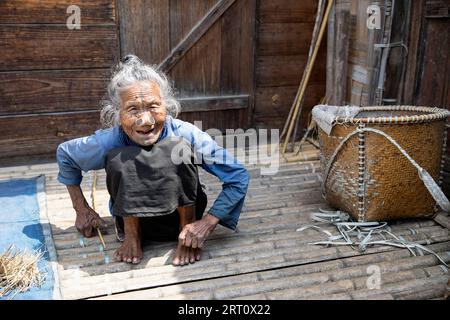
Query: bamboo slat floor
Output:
(265,259)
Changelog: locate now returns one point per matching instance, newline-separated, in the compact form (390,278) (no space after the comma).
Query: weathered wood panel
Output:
(200,104)
(339,84)
(412,63)
(435,80)
(221,61)
(271,102)
(236,56)
(284,38)
(361,60)
(41,134)
(47,70)
(287,11)
(396,66)
(198,72)
(55,11)
(26,47)
(200,29)
(51,91)
(286,70)
(220,120)
(144,29)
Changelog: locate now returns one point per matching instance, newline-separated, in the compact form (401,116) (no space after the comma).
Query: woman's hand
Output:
(194,234)
(87,221)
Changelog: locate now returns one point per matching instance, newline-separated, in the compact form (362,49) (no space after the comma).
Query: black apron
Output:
(151,182)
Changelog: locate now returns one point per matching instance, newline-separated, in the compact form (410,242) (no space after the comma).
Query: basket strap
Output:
(432,187)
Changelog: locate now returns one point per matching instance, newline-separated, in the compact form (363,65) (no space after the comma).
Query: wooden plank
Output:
(361,56)
(55,11)
(396,66)
(41,134)
(184,15)
(341,59)
(437,9)
(198,104)
(435,79)
(236,60)
(284,38)
(287,11)
(331,43)
(27,47)
(220,120)
(287,70)
(272,104)
(198,73)
(374,56)
(413,58)
(144,29)
(196,33)
(277,100)
(443,219)
(237,53)
(51,91)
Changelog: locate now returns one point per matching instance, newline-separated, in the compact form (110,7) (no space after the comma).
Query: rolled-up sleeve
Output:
(233,175)
(77,155)
(229,203)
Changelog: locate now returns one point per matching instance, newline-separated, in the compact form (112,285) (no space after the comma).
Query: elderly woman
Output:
(151,161)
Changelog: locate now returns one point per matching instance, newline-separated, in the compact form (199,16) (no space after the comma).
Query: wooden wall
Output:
(284,30)
(217,71)
(51,77)
(242,72)
(427,80)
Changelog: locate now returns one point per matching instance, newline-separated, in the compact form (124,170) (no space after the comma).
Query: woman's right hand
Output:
(87,221)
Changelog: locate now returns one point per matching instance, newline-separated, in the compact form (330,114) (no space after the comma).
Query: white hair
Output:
(127,72)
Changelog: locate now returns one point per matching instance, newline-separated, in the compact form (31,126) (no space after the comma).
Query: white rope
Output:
(364,233)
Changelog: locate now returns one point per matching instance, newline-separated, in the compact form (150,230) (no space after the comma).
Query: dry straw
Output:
(19,271)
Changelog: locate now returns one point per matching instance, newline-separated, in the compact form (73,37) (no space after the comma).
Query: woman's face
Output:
(143,114)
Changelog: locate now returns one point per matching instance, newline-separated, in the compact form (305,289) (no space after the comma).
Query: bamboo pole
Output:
(94,186)
(307,76)
(311,127)
(317,24)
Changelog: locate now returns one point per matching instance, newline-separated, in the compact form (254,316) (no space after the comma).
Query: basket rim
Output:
(433,114)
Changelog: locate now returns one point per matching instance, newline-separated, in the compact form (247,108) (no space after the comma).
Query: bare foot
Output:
(131,249)
(185,255)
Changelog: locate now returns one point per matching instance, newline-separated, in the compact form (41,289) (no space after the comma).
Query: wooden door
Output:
(206,48)
(433,85)
(428,74)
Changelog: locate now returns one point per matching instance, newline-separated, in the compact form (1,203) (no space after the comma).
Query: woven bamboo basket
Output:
(366,170)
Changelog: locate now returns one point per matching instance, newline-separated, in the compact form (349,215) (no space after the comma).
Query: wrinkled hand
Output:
(87,221)
(194,234)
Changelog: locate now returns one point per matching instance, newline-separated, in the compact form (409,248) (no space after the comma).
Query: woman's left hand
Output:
(194,234)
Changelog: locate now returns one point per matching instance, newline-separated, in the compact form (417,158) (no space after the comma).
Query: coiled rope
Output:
(362,234)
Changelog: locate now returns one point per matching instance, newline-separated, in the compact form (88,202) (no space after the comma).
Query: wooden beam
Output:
(341,47)
(215,103)
(195,34)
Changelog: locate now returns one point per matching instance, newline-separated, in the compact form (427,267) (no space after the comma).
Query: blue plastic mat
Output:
(23,224)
